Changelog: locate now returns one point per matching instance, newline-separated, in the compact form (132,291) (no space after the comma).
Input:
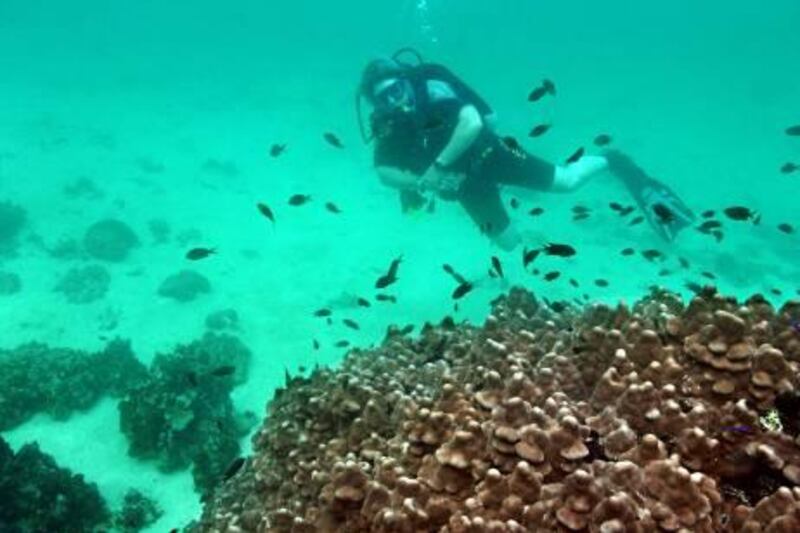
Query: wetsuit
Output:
(411,141)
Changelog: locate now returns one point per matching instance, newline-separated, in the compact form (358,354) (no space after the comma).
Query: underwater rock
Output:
(83,285)
(35,378)
(224,319)
(183,415)
(10,283)
(663,416)
(12,220)
(110,240)
(184,286)
(138,511)
(38,495)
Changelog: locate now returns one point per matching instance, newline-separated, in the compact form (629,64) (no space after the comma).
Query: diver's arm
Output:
(398,179)
(466,131)
(574,175)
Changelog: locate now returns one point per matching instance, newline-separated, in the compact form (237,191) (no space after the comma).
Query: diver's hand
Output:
(440,180)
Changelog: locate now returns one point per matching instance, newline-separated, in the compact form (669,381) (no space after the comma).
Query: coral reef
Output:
(37,495)
(110,240)
(83,285)
(224,319)
(35,378)
(656,417)
(183,415)
(12,220)
(184,286)
(138,511)
(10,283)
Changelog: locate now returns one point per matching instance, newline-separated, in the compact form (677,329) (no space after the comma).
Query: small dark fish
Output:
(552,275)
(708,275)
(786,228)
(576,155)
(776,292)
(602,140)
(549,86)
(536,211)
(390,276)
(652,254)
(352,324)
(600,282)
(683,262)
(626,211)
(333,140)
(788,168)
(200,253)
(740,428)
(717,235)
(664,213)
(580,216)
(511,143)
(265,211)
(694,287)
(537,94)
(276,149)
(664,272)
(539,130)
(615,206)
(462,290)
(223,371)
(497,266)
(363,302)
(405,330)
(455,275)
(578,209)
(315,344)
(514,203)
(740,213)
(635,221)
(708,213)
(628,251)
(323,312)
(386,298)
(233,468)
(332,207)
(528,256)
(573,282)
(709,225)
(560,250)
(535,271)
(191,377)
(793,131)
(299,199)
(342,344)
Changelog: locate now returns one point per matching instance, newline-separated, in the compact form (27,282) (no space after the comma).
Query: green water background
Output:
(698,93)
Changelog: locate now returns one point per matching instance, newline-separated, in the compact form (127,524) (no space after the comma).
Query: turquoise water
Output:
(141,101)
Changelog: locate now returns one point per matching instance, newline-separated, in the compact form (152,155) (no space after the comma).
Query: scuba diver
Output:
(434,134)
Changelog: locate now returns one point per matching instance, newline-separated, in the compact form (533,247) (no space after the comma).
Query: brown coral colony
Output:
(659,417)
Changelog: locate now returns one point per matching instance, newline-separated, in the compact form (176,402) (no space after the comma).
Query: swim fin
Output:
(667,220)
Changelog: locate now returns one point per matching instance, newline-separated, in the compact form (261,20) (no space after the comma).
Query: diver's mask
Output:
(394,93)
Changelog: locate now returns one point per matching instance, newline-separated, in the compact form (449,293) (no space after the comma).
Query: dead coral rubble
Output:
(658,417)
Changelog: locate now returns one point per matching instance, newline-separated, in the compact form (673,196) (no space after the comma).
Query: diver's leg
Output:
(574,175)
(512,166)
(481,199)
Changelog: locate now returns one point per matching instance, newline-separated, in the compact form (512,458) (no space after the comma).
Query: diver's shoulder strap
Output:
(435,71)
